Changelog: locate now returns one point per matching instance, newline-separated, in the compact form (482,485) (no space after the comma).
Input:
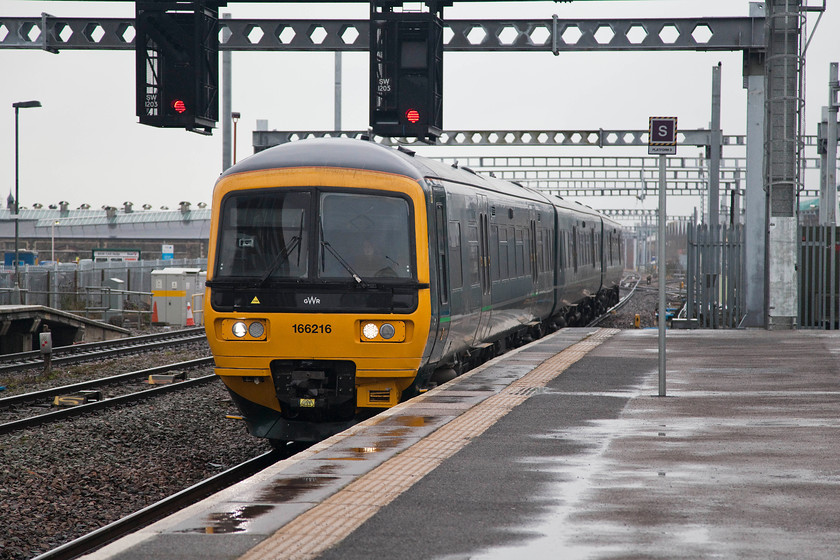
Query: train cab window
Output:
(264,235)
(368,235)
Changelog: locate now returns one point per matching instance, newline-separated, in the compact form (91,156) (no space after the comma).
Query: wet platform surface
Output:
(561,450)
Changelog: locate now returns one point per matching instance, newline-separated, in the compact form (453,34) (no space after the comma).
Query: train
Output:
(345,276)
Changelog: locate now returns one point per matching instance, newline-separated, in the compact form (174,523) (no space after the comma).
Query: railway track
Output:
(45,395)
(156,511)
(101,350)
(629,282)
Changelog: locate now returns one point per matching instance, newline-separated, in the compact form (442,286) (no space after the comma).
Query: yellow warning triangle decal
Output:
(255,301)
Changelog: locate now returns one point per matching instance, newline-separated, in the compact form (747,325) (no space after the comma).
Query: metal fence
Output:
(88,288)
(818,280)
(714,276)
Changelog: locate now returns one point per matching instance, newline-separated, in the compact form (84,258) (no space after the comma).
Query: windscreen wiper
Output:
(295,242)
(341,261)
(281,258)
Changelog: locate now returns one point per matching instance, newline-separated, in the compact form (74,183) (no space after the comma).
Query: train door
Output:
(439,237)
(483,330)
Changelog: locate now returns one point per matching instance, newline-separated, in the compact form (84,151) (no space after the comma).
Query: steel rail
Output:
(80,410)
(131,340)
(158,510)
(78,354)
(15,400)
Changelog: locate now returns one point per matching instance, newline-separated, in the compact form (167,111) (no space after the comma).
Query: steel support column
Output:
(755,223)
(784,22)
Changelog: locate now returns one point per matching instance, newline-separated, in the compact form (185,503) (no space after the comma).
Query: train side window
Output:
(528,250)
(455,255)
(472,247)
(574,248)
(547,250)
(503,252)
(512,252)
(494,249)
(561,249)
(520,253)
(440,223)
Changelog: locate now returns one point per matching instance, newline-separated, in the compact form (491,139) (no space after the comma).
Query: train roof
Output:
(361,154)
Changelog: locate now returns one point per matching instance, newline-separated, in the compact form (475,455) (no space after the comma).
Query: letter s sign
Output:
(662,135)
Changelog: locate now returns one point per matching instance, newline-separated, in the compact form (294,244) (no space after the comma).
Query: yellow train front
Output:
(318,299)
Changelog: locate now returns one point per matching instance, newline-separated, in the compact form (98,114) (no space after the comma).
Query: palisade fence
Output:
(818,277)
(714,275)
(88,288)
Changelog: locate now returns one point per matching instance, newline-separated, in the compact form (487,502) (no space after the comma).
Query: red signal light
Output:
(412,115)
(179,106)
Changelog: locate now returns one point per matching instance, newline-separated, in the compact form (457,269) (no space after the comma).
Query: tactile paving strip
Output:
(331,521)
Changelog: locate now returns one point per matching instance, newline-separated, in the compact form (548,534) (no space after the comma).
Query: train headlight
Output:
(387,331)
(383,331)
(239,329)
(370,331)
(242,329)
(256,329)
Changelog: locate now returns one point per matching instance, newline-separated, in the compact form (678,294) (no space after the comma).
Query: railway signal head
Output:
(406,62)
(176,63)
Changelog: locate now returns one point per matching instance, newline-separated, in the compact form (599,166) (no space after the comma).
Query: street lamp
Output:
(235,117)
(18,106)
(55,223)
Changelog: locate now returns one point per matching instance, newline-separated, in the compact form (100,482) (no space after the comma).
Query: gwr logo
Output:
(312,300)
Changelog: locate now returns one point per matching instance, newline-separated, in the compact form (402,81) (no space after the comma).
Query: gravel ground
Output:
(63,480)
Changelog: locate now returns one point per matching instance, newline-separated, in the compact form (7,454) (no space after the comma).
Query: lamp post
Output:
(235,118)
(18,106)
(52,255)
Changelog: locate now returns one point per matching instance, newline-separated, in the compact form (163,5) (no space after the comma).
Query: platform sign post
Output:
(662,141)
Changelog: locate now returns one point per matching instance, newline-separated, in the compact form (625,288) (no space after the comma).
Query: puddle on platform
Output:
(288,489)
(415,421)
(235,521)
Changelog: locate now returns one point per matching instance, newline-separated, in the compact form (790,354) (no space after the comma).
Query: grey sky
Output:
(85,146)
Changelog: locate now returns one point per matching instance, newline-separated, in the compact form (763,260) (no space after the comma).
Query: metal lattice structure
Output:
(555,35)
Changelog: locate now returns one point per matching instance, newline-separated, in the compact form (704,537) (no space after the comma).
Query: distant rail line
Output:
(99,350)
(46,394)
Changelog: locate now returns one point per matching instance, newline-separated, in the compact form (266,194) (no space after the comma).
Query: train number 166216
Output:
(312,329)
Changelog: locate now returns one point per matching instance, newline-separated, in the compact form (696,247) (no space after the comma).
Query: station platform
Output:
(561,449)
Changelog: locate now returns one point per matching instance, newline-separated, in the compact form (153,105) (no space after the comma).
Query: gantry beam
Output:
(539,35)
(263,139)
